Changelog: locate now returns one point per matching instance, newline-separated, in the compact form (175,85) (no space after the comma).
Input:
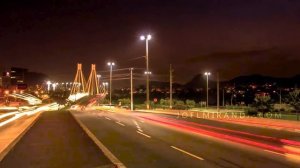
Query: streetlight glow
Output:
(111,64)
(207,74)
(49,84)
(147,73)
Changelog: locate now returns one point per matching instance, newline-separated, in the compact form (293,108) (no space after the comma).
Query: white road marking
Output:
(120,123)
(275,152)
(107,118)
(185,152)
(137,126)
(143,134)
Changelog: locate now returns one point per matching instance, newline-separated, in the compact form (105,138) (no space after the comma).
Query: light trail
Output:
(48,107)
(224,136)
(278,140)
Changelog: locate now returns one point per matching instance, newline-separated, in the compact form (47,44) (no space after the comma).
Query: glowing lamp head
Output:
(142,37)
(48,83)
(148,37)
(98,76)
(207,73)
(111,64)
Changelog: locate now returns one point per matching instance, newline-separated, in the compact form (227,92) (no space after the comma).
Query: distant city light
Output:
(147,72)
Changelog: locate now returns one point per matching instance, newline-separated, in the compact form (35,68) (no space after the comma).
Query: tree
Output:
(179,104)
(294,100)
(263,104)
(124,101)
(164,103)
(190,103)
(103,101)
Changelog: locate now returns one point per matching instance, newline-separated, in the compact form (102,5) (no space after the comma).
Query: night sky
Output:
(234,37)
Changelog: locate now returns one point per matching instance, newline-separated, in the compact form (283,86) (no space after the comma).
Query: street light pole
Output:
(131,89)
(111,64)
(207,74)
(48,86)
(98,77)
(171,86)
(147,38)
(218,92)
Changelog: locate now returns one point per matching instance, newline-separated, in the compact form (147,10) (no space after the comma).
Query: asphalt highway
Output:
(163,141)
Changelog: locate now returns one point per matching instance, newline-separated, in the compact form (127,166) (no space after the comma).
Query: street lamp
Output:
(110,64)
(147,38)
(53,86)
(105,85)
(49,85)
(207,74)
(98,77)
(279,94)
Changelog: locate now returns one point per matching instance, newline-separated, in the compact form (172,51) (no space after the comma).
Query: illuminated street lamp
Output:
(110,64)
(147,72)
(207,74)
(147,38)
(105,85)
(53,86)
(98,77)
(49,85)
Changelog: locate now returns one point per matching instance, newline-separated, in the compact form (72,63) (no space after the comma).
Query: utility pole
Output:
(131,90)
(280,97)
(218,92)
(171,86)
(223,98)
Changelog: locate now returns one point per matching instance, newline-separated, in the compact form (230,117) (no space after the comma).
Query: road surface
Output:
(55,141)
(142,140)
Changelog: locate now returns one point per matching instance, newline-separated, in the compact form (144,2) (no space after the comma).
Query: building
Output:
(5,80)
(17,75)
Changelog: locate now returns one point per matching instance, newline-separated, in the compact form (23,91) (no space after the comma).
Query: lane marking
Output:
(274,152)
(107,118)
(185,152)
(143,134)
(120,123)
(137,126)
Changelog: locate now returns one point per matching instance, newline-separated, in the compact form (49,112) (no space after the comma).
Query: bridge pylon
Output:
(92,87)
(79,84)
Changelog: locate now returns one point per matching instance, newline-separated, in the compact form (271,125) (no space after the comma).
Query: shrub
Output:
(179,104)
(124,101)
(251,111)
(190,103)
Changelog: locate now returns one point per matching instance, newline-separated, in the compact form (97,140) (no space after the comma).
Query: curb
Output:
(18,138)
(100,145)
